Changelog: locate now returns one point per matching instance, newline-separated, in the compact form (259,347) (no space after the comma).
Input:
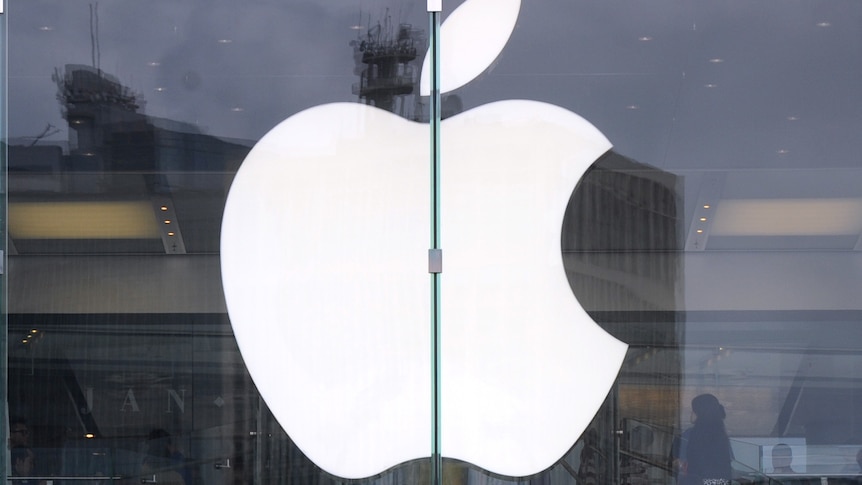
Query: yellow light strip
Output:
(788,217)
(83,220)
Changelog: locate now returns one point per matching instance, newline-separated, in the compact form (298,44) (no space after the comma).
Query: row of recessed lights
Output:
(235,109)
(162,89)
(703,219)
(714,60)
(30,336)
(167,222)
(822,24)
(643,38)
(784,151)
(718,60)
(49,28)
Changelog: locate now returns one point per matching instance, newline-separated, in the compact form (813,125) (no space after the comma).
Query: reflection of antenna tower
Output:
(383,64)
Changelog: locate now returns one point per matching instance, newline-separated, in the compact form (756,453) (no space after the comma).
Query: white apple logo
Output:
(324,265)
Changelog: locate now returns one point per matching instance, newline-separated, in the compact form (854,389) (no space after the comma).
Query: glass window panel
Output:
(719,238)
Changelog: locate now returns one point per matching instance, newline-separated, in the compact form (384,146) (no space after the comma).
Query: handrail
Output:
(102,477)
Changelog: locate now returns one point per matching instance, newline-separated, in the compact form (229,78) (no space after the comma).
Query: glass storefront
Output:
(719,237)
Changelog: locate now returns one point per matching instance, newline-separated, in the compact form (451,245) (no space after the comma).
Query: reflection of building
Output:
(616,203)
(621,243)
(107,207)
(121,157)
(387,78)
(97,107)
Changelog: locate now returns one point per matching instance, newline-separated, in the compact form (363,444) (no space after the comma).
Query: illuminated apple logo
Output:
(324,265)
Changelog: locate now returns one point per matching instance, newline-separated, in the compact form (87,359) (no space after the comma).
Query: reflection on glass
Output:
(620,244)
(724,247)
(385,59)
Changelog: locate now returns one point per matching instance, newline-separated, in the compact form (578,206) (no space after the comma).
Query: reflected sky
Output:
(692,85)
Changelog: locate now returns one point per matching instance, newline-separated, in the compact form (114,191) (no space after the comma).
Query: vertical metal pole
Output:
(4,75)
(434,8)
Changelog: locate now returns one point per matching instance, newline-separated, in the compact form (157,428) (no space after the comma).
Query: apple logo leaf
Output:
(471,38)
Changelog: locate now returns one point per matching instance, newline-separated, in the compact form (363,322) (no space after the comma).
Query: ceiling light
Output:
(788,217)
(710,85)
(783,151)
(82,220)
(632,106)
(792,118)
(167,221)
(224,41)
(706,206)
(703,219)
(164,208)
(823,24)
(716,60)
(154,63)
(645,38)
(171,234)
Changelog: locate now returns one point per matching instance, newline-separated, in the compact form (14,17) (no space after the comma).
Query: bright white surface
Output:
(324,264)
(524,367)
(324,260)
(471,38)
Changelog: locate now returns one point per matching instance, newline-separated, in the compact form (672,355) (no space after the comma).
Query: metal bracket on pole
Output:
(435,261)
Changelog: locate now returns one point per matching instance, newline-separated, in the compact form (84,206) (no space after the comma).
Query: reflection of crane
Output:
(383,57)
(48,131)
(95,51)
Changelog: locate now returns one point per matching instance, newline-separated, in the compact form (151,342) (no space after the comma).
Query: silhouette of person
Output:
(19,433)
(704,450)
(782,458)
(23,462)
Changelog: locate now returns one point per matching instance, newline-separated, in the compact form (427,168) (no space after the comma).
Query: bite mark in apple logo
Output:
(324,266)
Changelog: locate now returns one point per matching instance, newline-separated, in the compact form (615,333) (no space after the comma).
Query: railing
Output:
(151,476)
(50,480)
(650,444)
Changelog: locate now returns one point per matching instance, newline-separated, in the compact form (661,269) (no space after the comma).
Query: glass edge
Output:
(4,410)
